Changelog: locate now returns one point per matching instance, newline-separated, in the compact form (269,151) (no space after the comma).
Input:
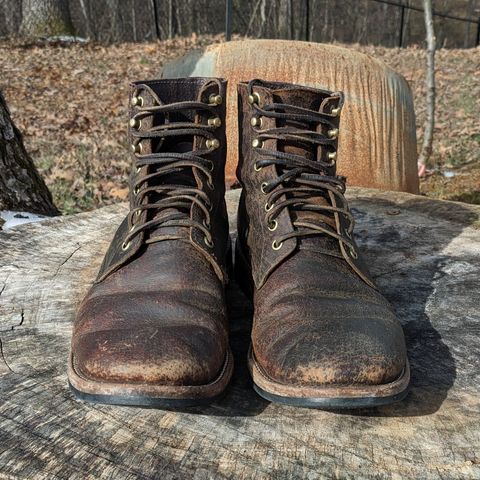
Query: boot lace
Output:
(163,166)
(300,180)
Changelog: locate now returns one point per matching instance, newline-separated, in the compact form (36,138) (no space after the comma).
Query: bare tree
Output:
(426,150)
(21,186)
(46,18)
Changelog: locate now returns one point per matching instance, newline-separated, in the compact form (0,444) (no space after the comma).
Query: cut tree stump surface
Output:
(425,256)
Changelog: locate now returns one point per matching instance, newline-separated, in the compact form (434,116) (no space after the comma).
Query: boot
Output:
(323,336)
(152,331)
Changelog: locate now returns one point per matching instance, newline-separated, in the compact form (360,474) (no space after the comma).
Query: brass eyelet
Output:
(268,207)
(263,186)
(332,156)
(212,143)
(256,122)
(257,143)
(333,133)
(256,168)
(335,111)
(126,246)
(254,98)
(208,243)
(137,148)
(215,99)
(137,102)
(272,226)
(215,122)
(138,169)
(353,253)
(276,246)
(135,123)
(138,213)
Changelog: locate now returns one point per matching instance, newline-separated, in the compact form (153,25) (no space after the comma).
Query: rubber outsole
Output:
(144,402)
(344,403)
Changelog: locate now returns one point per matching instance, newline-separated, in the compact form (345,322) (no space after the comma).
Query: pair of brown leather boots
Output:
(153,329)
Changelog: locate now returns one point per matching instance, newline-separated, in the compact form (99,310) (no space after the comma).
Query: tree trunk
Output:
(426,150)
(46,18)
(21,186)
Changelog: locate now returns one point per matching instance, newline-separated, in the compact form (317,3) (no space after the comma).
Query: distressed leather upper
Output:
(157,313)
(319,319)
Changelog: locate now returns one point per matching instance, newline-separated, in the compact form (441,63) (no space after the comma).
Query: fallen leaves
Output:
(71,105)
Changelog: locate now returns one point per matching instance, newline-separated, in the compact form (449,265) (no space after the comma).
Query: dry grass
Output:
(71,105)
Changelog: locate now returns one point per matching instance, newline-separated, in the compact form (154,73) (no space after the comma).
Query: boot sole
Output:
(149,396)
(327,397)
(332,397)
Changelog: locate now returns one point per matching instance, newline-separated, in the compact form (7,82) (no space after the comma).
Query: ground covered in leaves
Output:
(70,103)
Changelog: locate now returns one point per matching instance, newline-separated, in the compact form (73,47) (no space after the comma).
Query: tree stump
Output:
(377,142)
(21,186)
(424,255)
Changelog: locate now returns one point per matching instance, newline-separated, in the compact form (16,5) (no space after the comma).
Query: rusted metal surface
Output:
(377,145)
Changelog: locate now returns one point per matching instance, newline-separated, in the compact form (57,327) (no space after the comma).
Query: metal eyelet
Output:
(256,122)
(335,111)
(135,123)
(208,243)
(256,168)
(138,169)
(332,156)
(333,133)
(254,98)
(272,226)
(215,99)
(263,187)
(212,144)
(137,102)
(136,190)
(276,246)
(353,253)
(138,213)
(268,207)
(215,122)
(126,246)
(137,148)
(257,143)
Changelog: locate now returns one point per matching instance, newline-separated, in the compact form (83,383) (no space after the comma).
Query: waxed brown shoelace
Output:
(165,164)
(300,179)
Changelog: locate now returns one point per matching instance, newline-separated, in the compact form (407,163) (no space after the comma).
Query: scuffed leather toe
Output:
(349,352)
(168,356)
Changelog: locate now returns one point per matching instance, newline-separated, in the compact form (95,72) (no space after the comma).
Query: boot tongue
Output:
(182,177)
(311,100)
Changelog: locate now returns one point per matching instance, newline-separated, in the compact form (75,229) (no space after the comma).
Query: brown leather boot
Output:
(152,331)
(323,336)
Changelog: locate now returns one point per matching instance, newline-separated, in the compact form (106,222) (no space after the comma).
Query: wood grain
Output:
(377,142)
(424,255)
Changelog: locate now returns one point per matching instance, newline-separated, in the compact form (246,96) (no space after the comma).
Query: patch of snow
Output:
(12,219)
(67,39)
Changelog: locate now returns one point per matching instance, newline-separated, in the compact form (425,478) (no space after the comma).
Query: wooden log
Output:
(424,255)
(377,143)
